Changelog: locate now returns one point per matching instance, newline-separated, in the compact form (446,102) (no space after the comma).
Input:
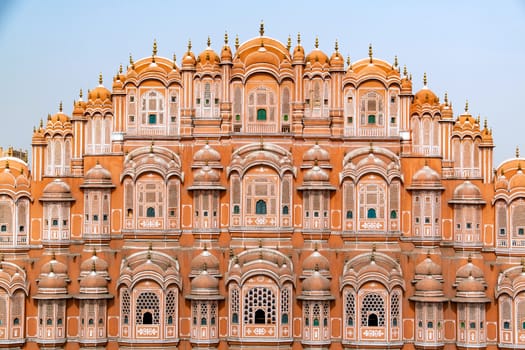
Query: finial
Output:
(151,147)
(208,42)
(410,77)
(236,42)
(316,267)
(7,164)
(370,52)
(260,243)
(174,60)
(469,259)
(94,251)
(261,28)
(405,72)
(60,107)
(154,47)
(485,123)
(466,106)
(225,38)
(189,45)
(517,151)
(100,80)
(289,43)
(298,39)
(371,147)
(336,45)
(425,78)
(395,61)
(478,119)
(446,99)
(49,116)
(131,63)
(348,62)
(316,42)
(120,70)
(41,123)
(80,94)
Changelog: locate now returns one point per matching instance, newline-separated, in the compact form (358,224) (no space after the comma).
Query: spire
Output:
(131,63)
(100,80)
(316,42)
(485,124)
(208,42)
(336,45)
(298,39)
(348,62)
(154,47)
(236,42)
(120,69)
(60,107)
(446,99)
(189,45)
(370,52)
(396,64)
(261,28)
(425,79)
(517,151)
(405,72)
(80,94)
(174,61)
(289,43)
(225,38)
(466,106)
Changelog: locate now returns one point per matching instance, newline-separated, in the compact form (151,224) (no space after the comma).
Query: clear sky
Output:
(474,50)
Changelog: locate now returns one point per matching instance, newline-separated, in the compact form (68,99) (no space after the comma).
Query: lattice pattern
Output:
(520,306)
(170,304)
(373,303)
(260,298)
(235,300)
(285,300)
(395,309)
(350,308)
(125,304)
(147,302)
(285,101)
(3,309)
(152,103)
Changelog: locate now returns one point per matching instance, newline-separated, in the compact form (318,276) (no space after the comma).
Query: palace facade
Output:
(262,197)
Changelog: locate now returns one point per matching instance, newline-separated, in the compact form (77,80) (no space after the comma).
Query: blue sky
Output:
(474,50)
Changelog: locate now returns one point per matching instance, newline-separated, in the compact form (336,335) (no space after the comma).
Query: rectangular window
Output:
(502,232)
(3,228)
(198,101)
(22,228)
(152,119)
(131,118)
(132,99)
(54,222)
(469,225)
(371,119)
(173,119)
(216,101)
(105,217)
(350,120)
(521,231)
(427,220)
(173,99)
(95,217)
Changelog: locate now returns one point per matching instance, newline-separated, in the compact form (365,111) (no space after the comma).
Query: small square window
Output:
(350,120)
(316,214)
(152,119)
(214,213)
(502,232)
(236,209)
(392,99)
(198,101)
(458,226)
(95,217)
(427,220)
(520,231)
(349,99)
(417,220)
(64,222)
(216,101)
(132,98)
(3,228)
(22,228)
(173,119)
(207,102)
(393,120)
(105,217)
(307,101)
(172,212)
(469,225)
(205,213)
(54,222)
(326,102)
(131,118)
(174,99)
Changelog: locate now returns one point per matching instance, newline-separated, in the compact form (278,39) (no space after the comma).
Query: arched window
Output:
(373,311)
(147,318)
(147,308)
(261,114)
(260,306)
(371,110)
(285,210)
(260,207)
(371,214)
(235,318)
(150,212)
(373,321)
(260,317)
(284,319)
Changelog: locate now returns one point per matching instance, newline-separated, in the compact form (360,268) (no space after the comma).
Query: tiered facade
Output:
(260,198)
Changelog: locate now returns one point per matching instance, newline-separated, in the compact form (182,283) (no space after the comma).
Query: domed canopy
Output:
(94,263)
(517,180)
(428,267)
(316,174)
(208,56)
(93,282)
(426,178)
(205,287)
(53,281)
(97,177)
(316,261)
(99,93)
(501,183)
(467,193)
(207,154)
(7,178)
(316,287)
(54,266)
(207,175)
(425,96)
(469,269)
(316,153)
(317,56)
(205,261)
(429,284)
(57,191)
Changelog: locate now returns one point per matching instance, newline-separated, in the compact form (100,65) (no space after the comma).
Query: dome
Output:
(54,266)
(99,93)
(52,281)
(7,178)
(205,261)
(22,180)
(208,56)
(318,153)
(337,60)
(470,285)
(428,267)
(425,96)
(206,174)
(517,180)
(426,175)
(467,191)
(98,172)
(189,57)
(316,55)
(204,282)
(316,283)
(57,190)
(298,53)
(406,86)
(316,261)
(226,52)
(428,284)
(316,174)
(468,270)
(501,183)
(207,154)
(94,263)
(93,281)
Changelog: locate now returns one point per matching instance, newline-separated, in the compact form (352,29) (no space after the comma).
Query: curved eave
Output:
(68,199)
(429,299)
(315,297)
(316,186)
(207,187)
(472,300)
(97,185)
(467,201)
(83,296)
(204,297)
(41,296)
(427,187)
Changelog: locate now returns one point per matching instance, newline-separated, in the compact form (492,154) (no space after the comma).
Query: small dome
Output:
(208,56)
(501,183)
(337,60)
(316,283)
(517,180)
(59,118)
(207,154)
(204,282)
(205,261)
(99,93)
(317,56)
(318,153)
(428,284)
(207,175)
(22,180)
(316,174)
(93,281)
(426,175)
(468,270)
(226,53)
(470,285)
(57,190)
(425,96)
(428,267)
(94,263)
(467,190)
(52,281)
(54,266)
(7,178)
(316,261)
(406,86)
(298,53)
(189,57)
(98,172)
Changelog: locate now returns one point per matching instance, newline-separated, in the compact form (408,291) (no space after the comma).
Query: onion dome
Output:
(226,52)
(317,56)
(318,153)
(337,60)
(207,175)
(316,261)
(189,58)
(22,181)
(97,177)
(446,109)
(207,154)
(208,56)
(428,267)
(406,83)
(298,51)
(517,180)
(426,178)
(205,260)
(79,106)
(501,183)
(467,193)
(100,92)
(59,117)
(57,191)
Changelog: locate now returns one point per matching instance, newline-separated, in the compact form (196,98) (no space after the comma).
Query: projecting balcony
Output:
(10,241)
(461,173)
(98,149)
(425,150)
(351,131)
